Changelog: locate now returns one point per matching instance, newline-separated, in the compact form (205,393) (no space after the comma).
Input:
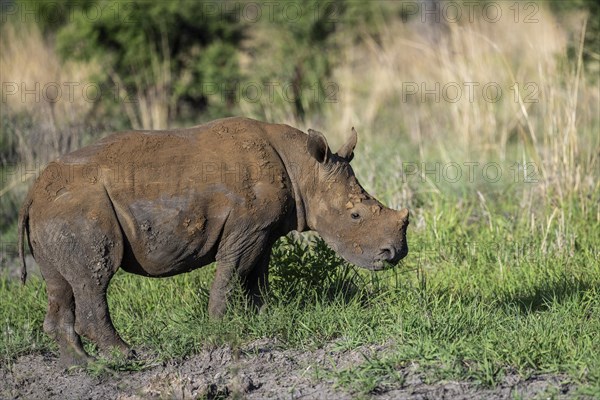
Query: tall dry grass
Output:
(549,118)
(58,119)
(37,108)
(548,113)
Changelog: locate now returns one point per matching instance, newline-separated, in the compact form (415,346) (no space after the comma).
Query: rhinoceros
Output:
(161,203)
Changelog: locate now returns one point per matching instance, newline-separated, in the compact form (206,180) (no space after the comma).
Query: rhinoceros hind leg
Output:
(92,317)
(90,258)
(59,323)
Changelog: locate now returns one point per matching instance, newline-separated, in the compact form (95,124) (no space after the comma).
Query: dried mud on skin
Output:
(259,370)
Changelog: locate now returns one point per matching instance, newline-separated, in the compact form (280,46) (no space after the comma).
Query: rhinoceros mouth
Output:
(380,265)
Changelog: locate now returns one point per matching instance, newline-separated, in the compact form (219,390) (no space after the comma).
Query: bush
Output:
(303,267)
(154,55)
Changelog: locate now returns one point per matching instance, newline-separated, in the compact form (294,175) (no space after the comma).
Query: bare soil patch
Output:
(259,370)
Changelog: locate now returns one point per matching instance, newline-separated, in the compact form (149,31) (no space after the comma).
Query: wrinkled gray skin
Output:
(160,203)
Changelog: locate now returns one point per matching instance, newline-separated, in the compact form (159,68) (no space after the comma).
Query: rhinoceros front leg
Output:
(256,283)
(239,260)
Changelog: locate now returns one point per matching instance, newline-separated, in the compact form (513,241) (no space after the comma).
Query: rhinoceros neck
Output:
(290,144)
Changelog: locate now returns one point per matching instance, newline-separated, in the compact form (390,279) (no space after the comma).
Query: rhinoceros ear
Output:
(317,146)
(347,150)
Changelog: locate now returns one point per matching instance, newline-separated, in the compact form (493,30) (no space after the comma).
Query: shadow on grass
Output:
(543,297)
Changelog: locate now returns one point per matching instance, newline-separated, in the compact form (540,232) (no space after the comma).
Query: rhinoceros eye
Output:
(355,216)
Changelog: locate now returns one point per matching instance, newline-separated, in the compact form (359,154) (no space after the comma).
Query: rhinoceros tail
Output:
(22,228)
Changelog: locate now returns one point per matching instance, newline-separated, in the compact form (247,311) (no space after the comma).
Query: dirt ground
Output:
(259,370)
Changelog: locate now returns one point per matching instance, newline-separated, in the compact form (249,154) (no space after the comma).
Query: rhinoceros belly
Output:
(170,234)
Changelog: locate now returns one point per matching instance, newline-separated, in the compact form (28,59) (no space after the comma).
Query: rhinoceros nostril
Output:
(387,253)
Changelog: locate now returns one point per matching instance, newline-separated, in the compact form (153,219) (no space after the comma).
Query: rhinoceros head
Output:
(357,226)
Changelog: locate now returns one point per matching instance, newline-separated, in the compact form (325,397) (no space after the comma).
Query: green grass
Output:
(498,280)
(459,310)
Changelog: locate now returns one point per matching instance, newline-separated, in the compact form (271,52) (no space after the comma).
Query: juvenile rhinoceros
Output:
(160,203)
